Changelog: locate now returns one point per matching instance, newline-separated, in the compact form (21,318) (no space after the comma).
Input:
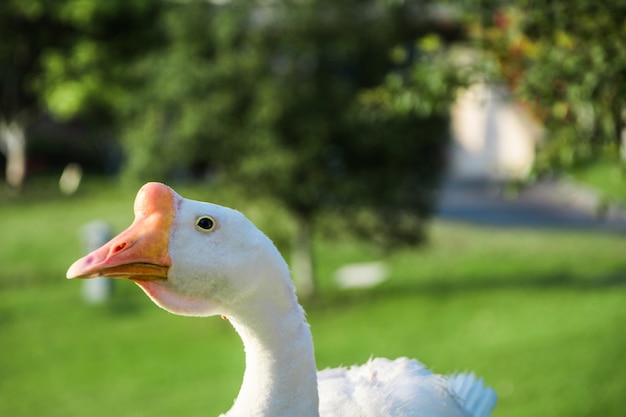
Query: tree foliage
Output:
(69,56)
(66,58)
(294,99)
(297,100)
(305,102)
(566,60)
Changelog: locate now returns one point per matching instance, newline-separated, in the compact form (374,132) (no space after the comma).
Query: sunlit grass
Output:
(539,314)
(606,176)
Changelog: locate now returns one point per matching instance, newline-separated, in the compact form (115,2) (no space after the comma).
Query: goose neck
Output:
(280,377)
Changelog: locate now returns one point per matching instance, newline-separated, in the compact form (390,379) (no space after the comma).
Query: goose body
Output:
(199,259)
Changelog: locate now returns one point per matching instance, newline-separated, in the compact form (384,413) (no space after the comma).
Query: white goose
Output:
(200,259)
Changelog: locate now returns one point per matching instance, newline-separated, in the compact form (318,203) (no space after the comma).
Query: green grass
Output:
(606,176)
(539,314)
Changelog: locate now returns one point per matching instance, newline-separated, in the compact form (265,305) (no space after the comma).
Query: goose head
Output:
(191,258)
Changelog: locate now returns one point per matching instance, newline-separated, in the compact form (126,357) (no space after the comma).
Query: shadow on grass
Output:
(45,190)
(561,281)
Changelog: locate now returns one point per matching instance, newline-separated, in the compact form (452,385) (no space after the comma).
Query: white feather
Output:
(235,271)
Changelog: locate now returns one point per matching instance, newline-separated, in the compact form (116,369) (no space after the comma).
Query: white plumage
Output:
(200,259)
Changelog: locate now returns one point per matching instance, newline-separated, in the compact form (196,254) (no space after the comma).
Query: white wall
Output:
(493,137)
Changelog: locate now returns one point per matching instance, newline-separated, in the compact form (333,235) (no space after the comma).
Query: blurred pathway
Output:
(554,204)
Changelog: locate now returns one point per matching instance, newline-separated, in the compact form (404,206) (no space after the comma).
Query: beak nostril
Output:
(118,247)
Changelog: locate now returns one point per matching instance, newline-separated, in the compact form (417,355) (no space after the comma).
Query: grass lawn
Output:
(541,315)
(606,176)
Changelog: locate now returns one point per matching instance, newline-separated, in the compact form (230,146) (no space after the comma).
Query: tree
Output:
(566,60)
(298,101)
(23,34)
(65,57)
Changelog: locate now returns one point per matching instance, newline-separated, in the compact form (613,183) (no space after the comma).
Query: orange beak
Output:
(140,252)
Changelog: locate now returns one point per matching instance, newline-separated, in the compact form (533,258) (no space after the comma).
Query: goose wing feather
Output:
(477,398)
(382,387)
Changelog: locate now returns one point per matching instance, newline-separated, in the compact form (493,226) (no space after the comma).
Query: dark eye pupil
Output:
(205,223)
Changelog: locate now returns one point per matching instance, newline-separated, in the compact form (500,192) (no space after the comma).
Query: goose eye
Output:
(205,223)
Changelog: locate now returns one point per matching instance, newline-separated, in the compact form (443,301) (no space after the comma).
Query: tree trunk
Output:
(302,258)
(620,129)
(13,145)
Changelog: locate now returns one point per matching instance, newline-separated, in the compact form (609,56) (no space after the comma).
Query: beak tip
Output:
(76,270)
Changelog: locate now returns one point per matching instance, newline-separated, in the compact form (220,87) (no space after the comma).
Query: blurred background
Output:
(445,178)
